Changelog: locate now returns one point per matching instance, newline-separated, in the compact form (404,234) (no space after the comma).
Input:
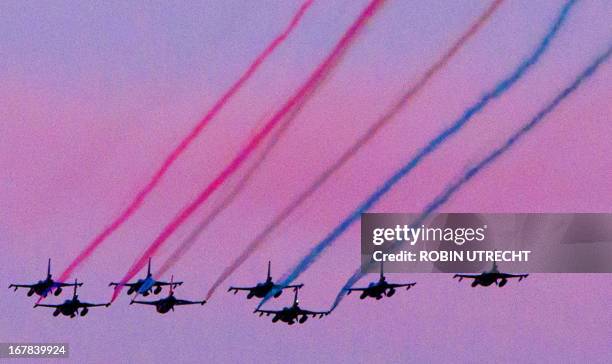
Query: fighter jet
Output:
(164,305)
(292,313)
(380,288)
(71,307)
(262,289)
(145,286)
(44,287)
(486,279)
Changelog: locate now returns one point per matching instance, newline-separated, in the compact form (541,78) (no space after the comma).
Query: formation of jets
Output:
(148,285)
(166,304)
(72,306)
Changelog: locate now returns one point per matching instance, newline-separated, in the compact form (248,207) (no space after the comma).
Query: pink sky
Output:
(94,96)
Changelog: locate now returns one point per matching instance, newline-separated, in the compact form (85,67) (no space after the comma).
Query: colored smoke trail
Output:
(354,148)
(433,144)
(193,236)
(314,78)
(472,171)
(172,157)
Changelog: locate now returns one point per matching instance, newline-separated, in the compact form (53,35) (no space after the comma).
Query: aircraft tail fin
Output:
(171,285)
(76,284)
(382,271)
(269,270)
(49,268)
(494,269)
(295,297)
(149,268)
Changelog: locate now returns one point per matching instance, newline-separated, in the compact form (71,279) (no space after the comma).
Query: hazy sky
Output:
(94,94)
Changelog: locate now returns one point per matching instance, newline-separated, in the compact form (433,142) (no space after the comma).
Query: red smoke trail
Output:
(348,154)
(193,236)
(318,74)
(191,239)
(135,204)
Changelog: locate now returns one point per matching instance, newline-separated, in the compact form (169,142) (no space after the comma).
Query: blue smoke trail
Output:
(497,91)
(442,198)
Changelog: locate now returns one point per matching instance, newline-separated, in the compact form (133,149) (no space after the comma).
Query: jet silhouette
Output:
(44,287)
(71,307)
(292,313)
(144,286)
(164,305)
(262,289)
(380,288)
(486,279)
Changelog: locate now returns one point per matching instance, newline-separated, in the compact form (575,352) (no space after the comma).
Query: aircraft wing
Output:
(46,305)
(21,285)
(236,289)
(519,276)
(397,285)
(61,284)
(294,286)
(186,302)
(85,304)
(349,290)
(313,313)
(461,276)
(266,312)
(174,284)
(116,284)
(153,303)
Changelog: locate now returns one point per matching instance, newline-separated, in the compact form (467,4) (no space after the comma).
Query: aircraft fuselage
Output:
(287,315)
(165,305)
(261,290)
(71,308)
(42,288)
(377,290)
(487,279)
